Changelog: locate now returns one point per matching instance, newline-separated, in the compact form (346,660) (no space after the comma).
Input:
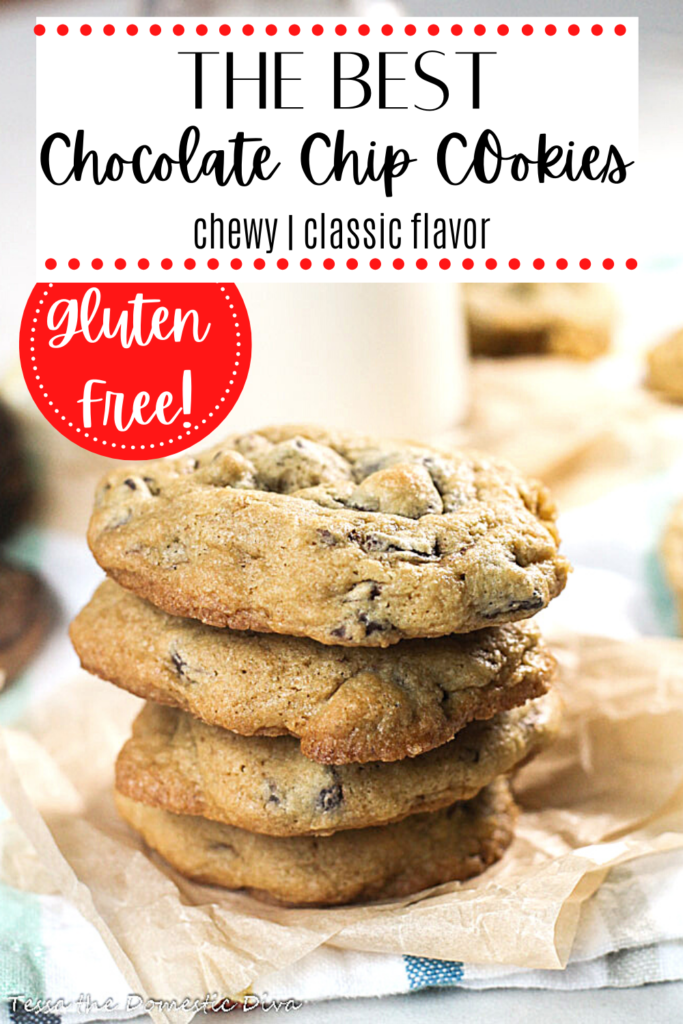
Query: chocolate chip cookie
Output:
(525,318)
(342,539)
(344,704)
(665,367)
(369,864)
(180,764)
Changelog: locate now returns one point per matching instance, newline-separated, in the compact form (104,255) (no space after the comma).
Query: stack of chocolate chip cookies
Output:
(329,631)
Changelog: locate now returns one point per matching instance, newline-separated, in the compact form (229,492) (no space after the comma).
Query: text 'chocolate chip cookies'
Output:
(330,632)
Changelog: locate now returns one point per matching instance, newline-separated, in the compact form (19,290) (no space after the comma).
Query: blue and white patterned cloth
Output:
(630,933)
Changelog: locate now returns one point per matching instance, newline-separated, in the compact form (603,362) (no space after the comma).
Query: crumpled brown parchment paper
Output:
(610,790)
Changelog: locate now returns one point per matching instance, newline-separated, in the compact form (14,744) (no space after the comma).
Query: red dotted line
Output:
(340,30)
(351,264)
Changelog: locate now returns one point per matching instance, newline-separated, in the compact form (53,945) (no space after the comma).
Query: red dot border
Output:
(539,29)
(351,263)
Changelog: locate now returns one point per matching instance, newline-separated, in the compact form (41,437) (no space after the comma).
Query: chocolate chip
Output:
(152,485)
(130,483)
(365,590)
(532,604)
(338,631)
(273,799)
(327,538)
(330,798)
(179,663)
(372,542)
(370,626)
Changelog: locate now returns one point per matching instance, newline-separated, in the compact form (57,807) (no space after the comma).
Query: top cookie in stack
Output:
(344,540)
(343,546)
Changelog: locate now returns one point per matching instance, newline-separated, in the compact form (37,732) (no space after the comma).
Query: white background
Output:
(124,91)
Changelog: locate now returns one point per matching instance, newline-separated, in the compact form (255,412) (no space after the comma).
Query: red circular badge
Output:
(135,371)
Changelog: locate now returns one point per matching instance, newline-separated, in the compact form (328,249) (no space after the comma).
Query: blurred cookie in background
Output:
(665,367)
(26,611)
(672,556)
(16,490)
(575,320)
